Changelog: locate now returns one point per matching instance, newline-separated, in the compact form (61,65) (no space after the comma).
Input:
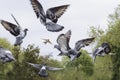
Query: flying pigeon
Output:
(64,48)
(43,69)
(101,51)
(15,30)
(6,55)
(47,41)
(50,18)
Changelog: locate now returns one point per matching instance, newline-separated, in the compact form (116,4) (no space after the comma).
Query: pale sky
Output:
(79,17)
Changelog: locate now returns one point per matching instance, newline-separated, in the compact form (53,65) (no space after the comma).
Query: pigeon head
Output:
(43,73)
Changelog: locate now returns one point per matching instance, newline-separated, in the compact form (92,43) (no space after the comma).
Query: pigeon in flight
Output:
(15,30)
(63,45)
(101,51)
(47,41)
(43,69)
(6,55)
(50,18)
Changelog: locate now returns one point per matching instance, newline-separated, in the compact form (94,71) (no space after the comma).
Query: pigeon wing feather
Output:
(56,12)
(10,27)
(38,66)
(39,11)
(83,43)
(63,42)
(59,10)
(53,68)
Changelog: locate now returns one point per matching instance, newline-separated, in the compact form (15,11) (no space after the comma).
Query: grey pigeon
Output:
(6,55)
(51,17)
(63,45)
(15,30)
(43,69)
(101,51)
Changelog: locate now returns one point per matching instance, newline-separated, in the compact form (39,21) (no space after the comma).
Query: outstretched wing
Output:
(19,27)
(38,66)
(63,41)
(53,68)
(68,35)
(56,12)
(59,10)
(38,9)
(82,43)
(12,28)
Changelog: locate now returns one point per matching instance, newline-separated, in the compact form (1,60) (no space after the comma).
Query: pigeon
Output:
(47,41)
(43,68)
(64,48)
(50,18)
(101,51)
(15,30)
(6,55)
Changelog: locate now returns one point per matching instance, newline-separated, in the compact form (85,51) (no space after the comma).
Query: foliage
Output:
(81,68)
(19,70)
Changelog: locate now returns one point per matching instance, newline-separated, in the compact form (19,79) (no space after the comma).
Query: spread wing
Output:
(63,41)
(68,35)
(19,27)
(53,68)
(12,28)
(38,66)
(82,43)
(38,9)
(56,12)
(59,10)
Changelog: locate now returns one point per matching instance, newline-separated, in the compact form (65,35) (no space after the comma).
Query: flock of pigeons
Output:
(49,20)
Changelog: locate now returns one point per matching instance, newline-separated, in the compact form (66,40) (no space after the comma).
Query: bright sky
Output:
(79,17)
